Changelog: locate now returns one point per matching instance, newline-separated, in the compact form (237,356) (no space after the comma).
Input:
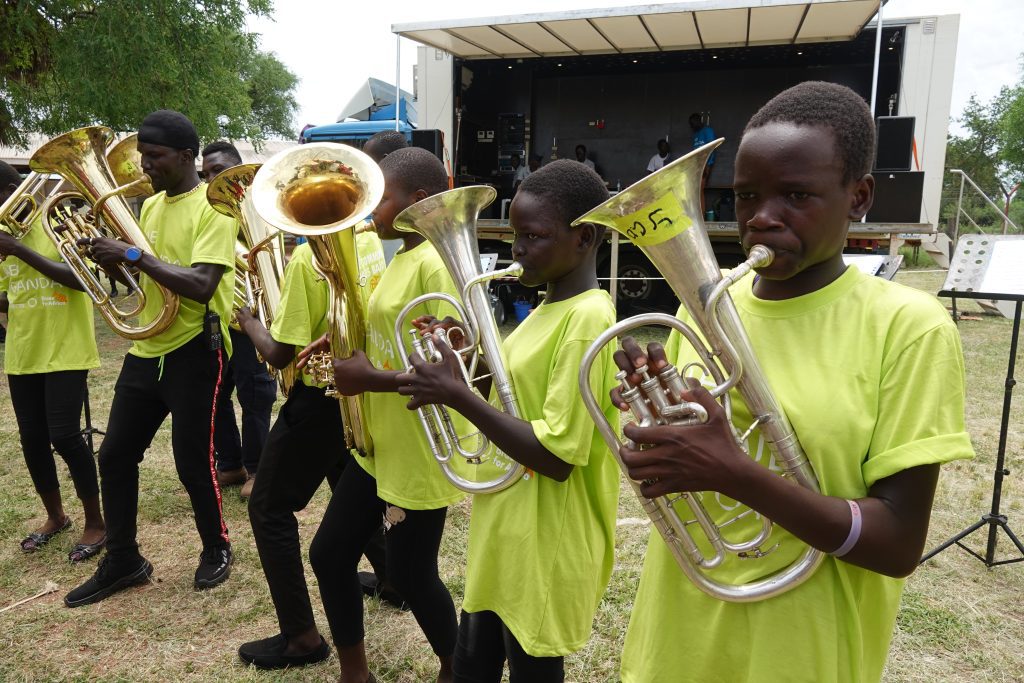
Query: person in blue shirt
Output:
(702,135)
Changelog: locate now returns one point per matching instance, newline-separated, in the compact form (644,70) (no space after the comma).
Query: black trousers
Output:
(48,407)
(183,384)
(256,389)
(350,520)
(306,446)
(485,643)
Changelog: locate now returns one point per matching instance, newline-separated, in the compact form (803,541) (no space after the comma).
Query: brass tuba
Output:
(661,215)
(259,268)
(322,191)
(448,221)
(78,156)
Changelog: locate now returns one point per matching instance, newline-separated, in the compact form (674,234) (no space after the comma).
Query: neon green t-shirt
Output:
(541,551)
(371,264)
(50,326)
(871,375)
(184,231)
(407,473)
(302,313)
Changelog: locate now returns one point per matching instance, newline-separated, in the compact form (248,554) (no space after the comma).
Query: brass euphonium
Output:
(19,211)
(323,191)
(23,207)
(79,157)
(661,215)
(125,163)
(259,262)
(448,221)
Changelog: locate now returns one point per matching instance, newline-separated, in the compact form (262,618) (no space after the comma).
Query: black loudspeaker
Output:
(894,136)
(429,140)
(897,197)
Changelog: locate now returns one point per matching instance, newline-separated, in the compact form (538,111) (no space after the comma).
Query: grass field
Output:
(958,622)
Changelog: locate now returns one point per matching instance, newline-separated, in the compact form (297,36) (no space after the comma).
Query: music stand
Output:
(989,267)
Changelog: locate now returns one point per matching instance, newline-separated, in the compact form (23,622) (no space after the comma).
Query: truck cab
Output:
(354,133)
(371,109)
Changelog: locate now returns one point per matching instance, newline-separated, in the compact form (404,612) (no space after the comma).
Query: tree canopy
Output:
(1011,132)
(992,154)
(70,63)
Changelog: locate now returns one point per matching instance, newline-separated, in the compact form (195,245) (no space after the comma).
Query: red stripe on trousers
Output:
(213,468)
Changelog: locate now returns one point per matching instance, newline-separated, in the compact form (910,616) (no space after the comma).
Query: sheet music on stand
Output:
(990,267)
(986,267)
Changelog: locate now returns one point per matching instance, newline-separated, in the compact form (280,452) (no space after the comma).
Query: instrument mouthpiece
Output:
(760,256)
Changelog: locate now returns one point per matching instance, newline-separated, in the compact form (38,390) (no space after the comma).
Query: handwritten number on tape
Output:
(658,222)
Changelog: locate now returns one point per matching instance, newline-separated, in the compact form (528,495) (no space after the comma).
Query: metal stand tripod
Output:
(89,431)
(994,520)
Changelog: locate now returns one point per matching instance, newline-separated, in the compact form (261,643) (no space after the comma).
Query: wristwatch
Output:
(132,255)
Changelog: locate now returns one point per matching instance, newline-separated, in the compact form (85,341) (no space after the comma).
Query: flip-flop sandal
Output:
(85,551)
(35,540)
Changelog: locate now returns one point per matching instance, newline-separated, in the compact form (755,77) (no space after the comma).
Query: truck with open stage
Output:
(617,80)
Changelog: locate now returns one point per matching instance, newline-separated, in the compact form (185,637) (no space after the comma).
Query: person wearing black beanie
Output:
(177,371)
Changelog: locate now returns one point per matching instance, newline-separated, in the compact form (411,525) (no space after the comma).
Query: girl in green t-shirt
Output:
(870,374)
(49,351)
(559,519)
(401,482)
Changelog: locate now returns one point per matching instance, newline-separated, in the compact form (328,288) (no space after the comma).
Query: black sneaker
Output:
(372,588)
(269,653)
(108,580)
(214,567)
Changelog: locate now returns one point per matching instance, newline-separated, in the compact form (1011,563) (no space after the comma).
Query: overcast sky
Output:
(333,47)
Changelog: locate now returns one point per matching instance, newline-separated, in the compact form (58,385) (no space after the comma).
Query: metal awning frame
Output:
(714,23)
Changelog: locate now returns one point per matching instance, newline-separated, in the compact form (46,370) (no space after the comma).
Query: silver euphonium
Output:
(661,215)
(448,221)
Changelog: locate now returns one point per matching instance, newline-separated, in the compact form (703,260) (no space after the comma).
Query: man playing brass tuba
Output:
(177,372)
(309,423)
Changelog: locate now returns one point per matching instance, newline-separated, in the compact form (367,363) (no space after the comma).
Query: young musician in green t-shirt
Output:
(177,372)
(540,552)
(306,446)
(401,481)
(50,348)
(871,376)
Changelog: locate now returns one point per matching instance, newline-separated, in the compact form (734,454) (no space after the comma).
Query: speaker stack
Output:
(430,140)
(898,190)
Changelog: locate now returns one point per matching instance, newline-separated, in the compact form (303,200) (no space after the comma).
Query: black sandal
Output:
(86,551)
(35,540)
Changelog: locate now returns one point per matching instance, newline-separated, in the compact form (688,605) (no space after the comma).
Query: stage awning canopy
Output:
(646,28)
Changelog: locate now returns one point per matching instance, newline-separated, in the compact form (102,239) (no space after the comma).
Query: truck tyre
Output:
(640,285)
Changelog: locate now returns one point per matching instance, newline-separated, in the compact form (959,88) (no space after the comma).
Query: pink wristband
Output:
(854,535)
